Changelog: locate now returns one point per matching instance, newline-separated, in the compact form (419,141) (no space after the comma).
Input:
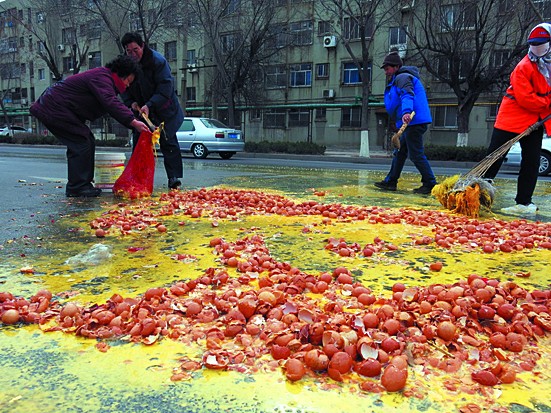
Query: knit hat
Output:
(539,35)
(392,59)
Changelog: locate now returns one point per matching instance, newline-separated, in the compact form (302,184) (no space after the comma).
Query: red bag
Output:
(136,181)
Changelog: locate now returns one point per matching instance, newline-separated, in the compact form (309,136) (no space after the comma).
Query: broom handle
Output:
(395,140)
(147,121)
(144,116)
(480,168)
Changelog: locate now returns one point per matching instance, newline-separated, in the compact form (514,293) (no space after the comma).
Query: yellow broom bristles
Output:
(466,201)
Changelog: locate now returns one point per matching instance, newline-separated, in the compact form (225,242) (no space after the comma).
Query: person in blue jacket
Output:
(153,93)
(405,94)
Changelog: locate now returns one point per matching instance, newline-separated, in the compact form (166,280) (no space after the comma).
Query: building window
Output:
(299,117)
(68,64)
(445,117)
(458,16)
(232,6)
(324,28)
(322,70)
(274,118)
(41,74)
(500,57)
(300,75)
(191,57)
(170,51)
(301,33)
(352,29)
(91,30)
(492,111)
(276,77)
(543,6)
(134,22)
(68,36)
(351,117)
(465,65)
(351,75)
(277,36)
(321,114)
(255,115)
(191,94)
(507,6)
(94,60)
(397,36)
(229,42)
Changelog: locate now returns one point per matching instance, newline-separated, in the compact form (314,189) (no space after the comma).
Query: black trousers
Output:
(172,157)
(81,150)
(529,166)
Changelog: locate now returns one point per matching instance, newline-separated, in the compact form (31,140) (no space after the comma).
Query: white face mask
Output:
(540,50)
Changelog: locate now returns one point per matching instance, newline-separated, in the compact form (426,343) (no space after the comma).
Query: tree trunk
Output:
(364,134)
(231,108)
(463,113)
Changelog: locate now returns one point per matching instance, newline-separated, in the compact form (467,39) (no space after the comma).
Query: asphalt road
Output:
(33,180)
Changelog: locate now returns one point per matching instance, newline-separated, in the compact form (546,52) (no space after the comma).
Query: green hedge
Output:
(455,153)
(34,139)
(301,148)
(433,152)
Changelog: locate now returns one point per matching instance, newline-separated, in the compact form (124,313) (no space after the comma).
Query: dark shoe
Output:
(387,186)
(424,189)
(174,183)
(84,193)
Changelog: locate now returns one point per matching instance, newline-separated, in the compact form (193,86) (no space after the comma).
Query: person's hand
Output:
(139,126)
(145,109)
(135,107)
(406,118)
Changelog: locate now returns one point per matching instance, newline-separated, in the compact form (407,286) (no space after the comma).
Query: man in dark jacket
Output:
(65,107)
(405,94)
(153,94)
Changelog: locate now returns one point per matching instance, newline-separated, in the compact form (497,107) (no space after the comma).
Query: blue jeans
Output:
(411,143)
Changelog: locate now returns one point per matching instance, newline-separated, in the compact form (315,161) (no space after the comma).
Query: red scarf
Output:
(119,84)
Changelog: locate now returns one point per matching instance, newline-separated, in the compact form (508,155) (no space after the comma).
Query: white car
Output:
(202,136)
(513,157)
(4,131)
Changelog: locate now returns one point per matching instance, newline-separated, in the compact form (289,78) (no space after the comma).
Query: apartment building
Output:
(303,85)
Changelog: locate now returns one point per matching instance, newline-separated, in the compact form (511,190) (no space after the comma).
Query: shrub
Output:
(117,142)
(455,153)
(35,139)
(301,148)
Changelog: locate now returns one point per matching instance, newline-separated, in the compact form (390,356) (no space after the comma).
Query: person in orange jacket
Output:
(526,101)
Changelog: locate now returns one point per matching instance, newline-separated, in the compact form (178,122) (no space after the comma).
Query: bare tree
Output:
(356,22)
(470,46)
(114,15)
(239,39)
(10,72)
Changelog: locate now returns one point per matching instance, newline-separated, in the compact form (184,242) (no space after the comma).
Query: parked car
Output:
(4,131)
(513,157)
(202,136)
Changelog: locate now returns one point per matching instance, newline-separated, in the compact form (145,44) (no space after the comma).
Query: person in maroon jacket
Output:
(65,107)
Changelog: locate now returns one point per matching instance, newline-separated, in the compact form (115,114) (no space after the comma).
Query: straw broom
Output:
(465,194)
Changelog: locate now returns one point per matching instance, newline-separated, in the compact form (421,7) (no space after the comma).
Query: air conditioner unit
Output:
(192,68)
(329,41)
(401,48)
(328,93)
(407,4)
(61,47)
